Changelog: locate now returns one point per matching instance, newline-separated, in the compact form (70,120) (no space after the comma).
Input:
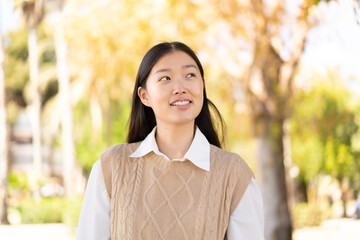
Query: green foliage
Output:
(323,126)
(120,115)
(318,1)
(47,210)
(306,155)
(90,143)
(50,210)
(309,215)
(16,65)
(43,210)
(16,44)
(88,151)
(18,181)
(72,211)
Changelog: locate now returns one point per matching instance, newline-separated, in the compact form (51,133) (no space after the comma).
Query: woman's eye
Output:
(165,78)
(190,75)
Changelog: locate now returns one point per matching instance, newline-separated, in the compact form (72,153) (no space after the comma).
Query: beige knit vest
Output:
(153,198)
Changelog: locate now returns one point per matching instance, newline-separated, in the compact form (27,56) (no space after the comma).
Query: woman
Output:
(171,180)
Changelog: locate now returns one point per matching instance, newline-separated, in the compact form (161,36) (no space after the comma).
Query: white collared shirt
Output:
(246,222)
(198,152)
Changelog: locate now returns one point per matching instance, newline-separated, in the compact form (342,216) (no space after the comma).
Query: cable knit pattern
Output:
(153,198)
(201,210)
(215,200)
(135,194)
(167,201)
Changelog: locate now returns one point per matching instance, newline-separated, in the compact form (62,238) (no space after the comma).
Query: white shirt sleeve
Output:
(247,221)
(94,222)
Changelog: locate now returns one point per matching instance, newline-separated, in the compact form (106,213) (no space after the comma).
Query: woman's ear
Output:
(143,95)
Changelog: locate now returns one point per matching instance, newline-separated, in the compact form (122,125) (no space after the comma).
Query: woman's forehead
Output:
(174,60)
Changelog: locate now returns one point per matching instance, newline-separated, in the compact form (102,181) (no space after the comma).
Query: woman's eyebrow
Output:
(169,70)
(189,66)
(162,70)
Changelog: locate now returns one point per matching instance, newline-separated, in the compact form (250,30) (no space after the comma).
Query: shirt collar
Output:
(198,153)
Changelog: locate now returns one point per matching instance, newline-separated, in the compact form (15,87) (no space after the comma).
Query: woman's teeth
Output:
(180,103)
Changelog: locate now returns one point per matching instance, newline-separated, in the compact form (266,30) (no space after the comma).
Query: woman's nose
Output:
(178,91)
(179,87)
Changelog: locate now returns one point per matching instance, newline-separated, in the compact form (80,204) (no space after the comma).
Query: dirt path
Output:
(335,229)
(35,232)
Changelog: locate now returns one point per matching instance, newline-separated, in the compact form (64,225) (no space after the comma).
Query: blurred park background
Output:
(285,75)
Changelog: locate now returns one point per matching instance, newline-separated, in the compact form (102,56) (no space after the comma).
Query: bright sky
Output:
(336,43)
(8,18)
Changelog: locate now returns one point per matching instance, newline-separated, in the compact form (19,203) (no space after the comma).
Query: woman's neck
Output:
(174,141)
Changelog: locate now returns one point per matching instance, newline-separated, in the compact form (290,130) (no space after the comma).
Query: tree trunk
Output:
(344,189)
(288,164)
(34,108)
(344,202)
(302,190)
(51,162)
(108,116)
(73,179)
(268,92)
(3,139)
(272,180)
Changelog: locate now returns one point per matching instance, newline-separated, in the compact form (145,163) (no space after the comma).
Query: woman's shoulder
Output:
(121,148)
(230,159)
(224,154)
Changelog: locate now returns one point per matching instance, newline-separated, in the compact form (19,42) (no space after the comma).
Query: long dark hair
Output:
(142,119)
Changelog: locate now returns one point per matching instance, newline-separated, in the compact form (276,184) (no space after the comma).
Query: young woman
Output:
(171,180)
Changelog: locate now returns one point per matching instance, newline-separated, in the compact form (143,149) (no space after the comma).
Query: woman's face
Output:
(174,89)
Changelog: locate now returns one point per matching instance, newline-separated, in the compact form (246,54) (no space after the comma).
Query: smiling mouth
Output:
(180,103)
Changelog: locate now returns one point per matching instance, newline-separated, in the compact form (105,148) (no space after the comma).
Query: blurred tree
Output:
(17,70)
(269,60)
(33,11)
(261,44)
(336,127)
(72,175)
(3,136)
(18,83)
(101,63)
(325,145)
(269,87)
(17,67)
